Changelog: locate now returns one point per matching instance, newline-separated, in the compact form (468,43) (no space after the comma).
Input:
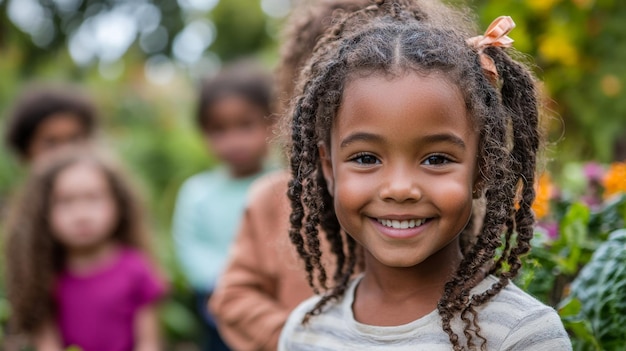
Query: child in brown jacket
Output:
(264,280)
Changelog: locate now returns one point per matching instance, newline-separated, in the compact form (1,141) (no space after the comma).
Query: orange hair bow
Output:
(495,35)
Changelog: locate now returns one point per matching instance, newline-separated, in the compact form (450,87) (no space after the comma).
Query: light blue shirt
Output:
(207,215)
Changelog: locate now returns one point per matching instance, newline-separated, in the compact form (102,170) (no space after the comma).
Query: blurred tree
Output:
(102,31)
(42,28)
(230,17)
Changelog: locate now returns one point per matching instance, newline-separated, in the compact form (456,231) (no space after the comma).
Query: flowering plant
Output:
(574,221)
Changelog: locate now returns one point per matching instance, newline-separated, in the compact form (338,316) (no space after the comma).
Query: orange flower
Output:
(615,179)
(543,194)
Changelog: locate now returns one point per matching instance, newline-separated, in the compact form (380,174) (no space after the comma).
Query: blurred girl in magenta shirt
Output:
(78,272)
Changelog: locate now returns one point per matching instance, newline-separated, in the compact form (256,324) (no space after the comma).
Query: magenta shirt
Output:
(96,312)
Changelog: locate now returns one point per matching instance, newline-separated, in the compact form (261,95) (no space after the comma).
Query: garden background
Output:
(141,61)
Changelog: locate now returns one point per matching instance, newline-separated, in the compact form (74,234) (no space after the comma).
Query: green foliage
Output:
(583,261)
(612,217)
(51,38)
(578,325)
(600,289)
(573,239)
(553,264)
(178,322)
(241,27)
(575,45)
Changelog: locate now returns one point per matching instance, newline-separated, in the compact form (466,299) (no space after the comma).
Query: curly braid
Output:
(305,26)
(395,37)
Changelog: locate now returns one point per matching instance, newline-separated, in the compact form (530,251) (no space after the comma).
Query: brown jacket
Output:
(264,279)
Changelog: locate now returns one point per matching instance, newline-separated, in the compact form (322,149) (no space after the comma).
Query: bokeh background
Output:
(141,61)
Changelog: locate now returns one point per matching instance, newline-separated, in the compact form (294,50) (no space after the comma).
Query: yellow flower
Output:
(558,47)
(543,194)
(615,179)
(542,6)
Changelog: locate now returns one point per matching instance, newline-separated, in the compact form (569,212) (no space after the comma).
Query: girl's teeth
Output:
(401,224)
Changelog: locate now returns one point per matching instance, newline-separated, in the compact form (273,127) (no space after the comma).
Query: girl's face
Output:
(83,212)
(237,132)
(402,166)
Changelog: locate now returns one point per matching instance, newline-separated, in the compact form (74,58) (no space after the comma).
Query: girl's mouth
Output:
(402,224)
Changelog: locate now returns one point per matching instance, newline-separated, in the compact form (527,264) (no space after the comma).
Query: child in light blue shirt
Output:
(234,117)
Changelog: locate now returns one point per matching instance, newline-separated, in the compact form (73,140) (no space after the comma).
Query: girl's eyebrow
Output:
(360,136)
(432,138)
(444,137)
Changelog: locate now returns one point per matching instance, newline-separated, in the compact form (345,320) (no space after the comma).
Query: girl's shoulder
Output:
(144,271)
(332,308)
(134,259)
(511,298)
(515,320)
(335,316)
(294,330)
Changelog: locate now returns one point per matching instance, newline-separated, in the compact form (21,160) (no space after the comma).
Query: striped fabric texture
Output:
(511,320)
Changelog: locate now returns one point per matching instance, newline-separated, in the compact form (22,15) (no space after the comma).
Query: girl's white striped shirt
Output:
(511,320)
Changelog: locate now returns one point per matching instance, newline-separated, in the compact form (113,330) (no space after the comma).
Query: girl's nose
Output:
(401,185)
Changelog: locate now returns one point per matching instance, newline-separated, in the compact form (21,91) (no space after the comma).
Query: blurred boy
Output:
(264,280)
(47,118)
(233,116)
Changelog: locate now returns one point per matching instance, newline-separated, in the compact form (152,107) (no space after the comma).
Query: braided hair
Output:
(394,37)
(304,27)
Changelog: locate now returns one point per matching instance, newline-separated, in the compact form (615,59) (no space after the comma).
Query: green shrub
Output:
(600,289)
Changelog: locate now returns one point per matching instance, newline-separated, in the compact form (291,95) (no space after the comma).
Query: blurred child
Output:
(46,118)
(78,268)
(234,117)
(403,120)
(264,281)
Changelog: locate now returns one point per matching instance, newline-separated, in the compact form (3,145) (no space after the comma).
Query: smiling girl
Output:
(402,123)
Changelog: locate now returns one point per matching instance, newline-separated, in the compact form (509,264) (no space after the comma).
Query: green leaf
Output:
(570,308)
(574,233)
(601,289)
(178,320)
(569,311)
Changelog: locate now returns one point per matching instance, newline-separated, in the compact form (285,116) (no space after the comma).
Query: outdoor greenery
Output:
(145,89)
(580,227)
(599,289)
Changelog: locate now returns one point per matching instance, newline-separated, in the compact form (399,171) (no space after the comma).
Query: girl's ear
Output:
(327,167)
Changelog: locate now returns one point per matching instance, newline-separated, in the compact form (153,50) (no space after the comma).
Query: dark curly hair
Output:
(395,37)
(243,79)
(37,104)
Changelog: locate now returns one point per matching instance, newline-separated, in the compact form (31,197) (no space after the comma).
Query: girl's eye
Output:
(365,159)
(436,160)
